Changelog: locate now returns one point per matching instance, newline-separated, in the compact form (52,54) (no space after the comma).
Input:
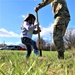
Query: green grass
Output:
(15,63)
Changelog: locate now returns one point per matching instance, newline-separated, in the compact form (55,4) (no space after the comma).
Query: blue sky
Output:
(12,13)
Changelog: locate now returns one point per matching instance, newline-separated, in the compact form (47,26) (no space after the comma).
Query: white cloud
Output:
(5,33)
(46,30)
(23,16)
(12,43)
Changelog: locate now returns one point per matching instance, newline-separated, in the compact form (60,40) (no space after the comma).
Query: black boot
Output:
(60,55)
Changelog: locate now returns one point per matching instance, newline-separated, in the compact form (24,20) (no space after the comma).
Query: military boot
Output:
(60,55)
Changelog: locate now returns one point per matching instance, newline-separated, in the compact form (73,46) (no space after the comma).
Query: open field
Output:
(15,63)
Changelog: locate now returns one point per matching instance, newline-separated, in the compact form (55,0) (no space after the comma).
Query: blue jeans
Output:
(28,43)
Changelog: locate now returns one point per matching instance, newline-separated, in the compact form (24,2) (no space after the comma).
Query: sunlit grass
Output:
(15,63)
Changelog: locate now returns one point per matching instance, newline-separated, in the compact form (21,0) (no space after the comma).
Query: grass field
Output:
(15,63)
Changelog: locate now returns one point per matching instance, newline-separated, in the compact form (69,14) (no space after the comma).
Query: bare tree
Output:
(69,38)
(42,42)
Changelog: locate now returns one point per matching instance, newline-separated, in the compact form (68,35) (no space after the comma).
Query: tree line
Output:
(69,41)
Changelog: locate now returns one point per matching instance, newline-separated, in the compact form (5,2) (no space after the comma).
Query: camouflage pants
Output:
(60,25)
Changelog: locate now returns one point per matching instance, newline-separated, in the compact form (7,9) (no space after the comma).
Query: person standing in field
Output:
(62,18)
(27,28)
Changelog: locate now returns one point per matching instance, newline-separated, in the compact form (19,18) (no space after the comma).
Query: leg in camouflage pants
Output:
(60,26)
